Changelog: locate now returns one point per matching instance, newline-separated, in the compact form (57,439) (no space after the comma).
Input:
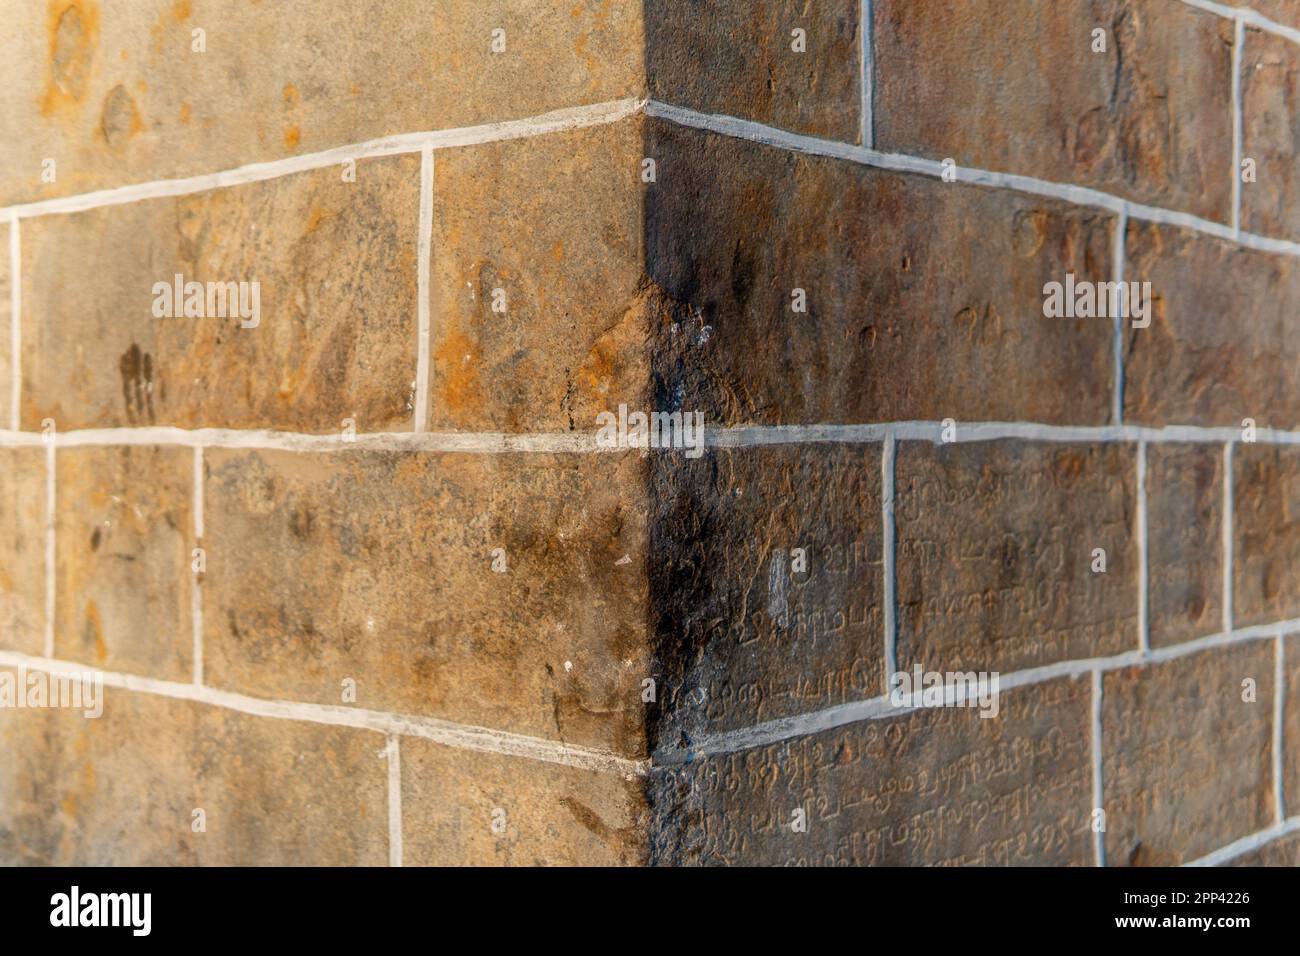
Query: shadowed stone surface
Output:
(1184,542)
(995,546)
(932,787)
(1220,346)
(114,92)
(336,263)
(746,629)
(908,316)
(378,567)
(740,59)
(22,549)
(122,789)
(1187,761)
(1013,86)
(1284,851)
(1291,727)
(1266,534)
(552,815)
(125,530)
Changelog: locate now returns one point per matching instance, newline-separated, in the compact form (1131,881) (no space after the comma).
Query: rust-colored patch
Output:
(93,632)
(187,112)
(289,94)
(120,119)
(292,137)
(458,361)
(73,27)
(181,10)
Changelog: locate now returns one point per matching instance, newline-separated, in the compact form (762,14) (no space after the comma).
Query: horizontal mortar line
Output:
(738,436)
(1247,843)
(878,708)
(968,175)
(460,736)
(1248,16)
(553,122)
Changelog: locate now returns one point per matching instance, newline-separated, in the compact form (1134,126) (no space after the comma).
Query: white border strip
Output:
(555,121)
(1279,717)
(867,76)
(1030,185)
(463,736)
(1098,782)
(1238,43)
(1246,844)
(879,708)
(423,321)
(1247,15)
(393,754)
(742,436)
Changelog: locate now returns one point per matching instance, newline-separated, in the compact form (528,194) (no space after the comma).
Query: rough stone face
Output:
(908,317)
(1271,134)
(930,787)
(554,223)
(22,555)
(378,567)
(1266,534)
(745,60)
(336,264)
(547,814)
(747,628)
(1184,542)
(115,94)
(995,550)
(1220,347)
(122,789)
(1187,761)
(124,535)
(1014,86)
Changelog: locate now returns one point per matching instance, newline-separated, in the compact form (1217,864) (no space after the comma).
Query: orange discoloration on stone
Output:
(73,33)
(458,365)
(292,136)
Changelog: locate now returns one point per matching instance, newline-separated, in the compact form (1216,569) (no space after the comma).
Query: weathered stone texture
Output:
(378,567)
(765,577)
(908,316)
(122,789)
(1220,346)
(1187,761)
(1014,86)
(1291,726)
(336,263)
(124,533)
(930,787)
(554,223)
(1271,134)
(22,549)
(1184,489)
(114,93)
(546,814)
(995,554)
(1266,534)
(743,59)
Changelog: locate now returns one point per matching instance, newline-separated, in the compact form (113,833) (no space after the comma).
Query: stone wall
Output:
(364,582)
